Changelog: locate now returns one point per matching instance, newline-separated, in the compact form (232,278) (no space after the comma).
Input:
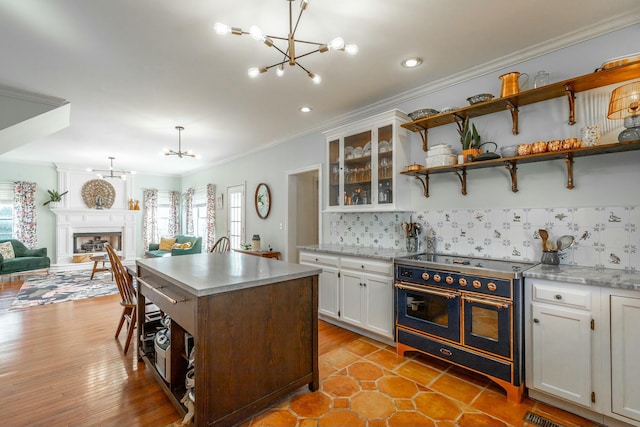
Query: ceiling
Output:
(133,70)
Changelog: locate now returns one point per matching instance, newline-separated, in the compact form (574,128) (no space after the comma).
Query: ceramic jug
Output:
(511,83)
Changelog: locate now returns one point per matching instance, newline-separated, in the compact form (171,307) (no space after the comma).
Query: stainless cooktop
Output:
(467,265)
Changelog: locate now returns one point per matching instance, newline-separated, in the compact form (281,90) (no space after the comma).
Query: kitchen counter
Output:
(209,274)
(603,277)
(387,254)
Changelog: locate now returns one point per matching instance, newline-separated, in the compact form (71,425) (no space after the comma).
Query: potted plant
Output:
(469,138)
(54,198)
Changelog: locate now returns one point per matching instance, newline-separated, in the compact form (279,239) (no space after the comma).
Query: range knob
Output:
(477,284)
(425,276)
(437,278)
(491,286)
(462,281)
(449,280)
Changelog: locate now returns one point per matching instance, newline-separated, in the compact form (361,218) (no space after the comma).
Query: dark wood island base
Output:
(253,345)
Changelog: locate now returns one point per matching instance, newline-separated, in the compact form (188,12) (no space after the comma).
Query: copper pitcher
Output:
(511,83)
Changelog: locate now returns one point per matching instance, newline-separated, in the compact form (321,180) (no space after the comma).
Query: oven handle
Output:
(449,295)
(496,304)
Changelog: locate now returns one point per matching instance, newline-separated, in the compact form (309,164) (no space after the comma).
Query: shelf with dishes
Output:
(511,164)
(599,78)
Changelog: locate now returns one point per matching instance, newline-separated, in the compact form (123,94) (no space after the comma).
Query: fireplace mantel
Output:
(70,221)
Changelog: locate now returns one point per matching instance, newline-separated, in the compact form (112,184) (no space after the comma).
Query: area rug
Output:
(63,286)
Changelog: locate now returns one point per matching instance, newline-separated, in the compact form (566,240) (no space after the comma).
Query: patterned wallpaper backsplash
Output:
(605,237)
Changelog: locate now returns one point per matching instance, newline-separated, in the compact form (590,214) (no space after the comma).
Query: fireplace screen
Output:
(94,242)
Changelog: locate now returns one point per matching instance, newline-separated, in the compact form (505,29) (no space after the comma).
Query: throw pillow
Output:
(6,249)
(166,243)
(185,245)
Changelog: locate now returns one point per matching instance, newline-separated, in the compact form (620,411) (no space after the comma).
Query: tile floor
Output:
(364,383)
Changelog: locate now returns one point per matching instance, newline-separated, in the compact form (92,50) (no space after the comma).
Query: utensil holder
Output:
(412,244)
(550,258)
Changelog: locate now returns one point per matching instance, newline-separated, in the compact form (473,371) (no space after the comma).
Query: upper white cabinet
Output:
(364,161)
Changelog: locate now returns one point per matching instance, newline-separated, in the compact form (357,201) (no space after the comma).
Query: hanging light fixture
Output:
(289,53)
(111,172)
(179,153)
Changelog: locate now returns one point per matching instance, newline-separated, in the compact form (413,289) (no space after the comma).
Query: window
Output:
(6,210)
(199,207)
(164,213)
(235,215)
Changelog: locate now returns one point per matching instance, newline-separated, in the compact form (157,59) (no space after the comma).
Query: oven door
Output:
(429,310)
(488,325)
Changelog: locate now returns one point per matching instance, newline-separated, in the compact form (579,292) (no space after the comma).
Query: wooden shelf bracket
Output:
(512,166)
(423,134)
(568,159)
(513,108)
(463,179)
(424,182)
(571,97)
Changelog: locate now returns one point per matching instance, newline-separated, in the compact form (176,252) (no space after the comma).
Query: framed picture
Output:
(219,202)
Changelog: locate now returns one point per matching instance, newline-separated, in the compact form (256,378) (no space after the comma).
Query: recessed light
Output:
(305,109)
(411,62)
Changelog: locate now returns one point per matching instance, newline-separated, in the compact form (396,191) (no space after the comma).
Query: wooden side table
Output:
(263,254)
(104,260)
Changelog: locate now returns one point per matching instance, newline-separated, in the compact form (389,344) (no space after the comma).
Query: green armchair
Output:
(25,259)
(195,248)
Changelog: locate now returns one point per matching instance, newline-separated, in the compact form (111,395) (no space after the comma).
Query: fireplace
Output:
(94,242)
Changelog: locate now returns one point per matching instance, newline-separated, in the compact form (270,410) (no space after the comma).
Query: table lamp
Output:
(624,105)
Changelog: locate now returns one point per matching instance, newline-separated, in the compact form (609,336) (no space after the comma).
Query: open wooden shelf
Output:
(511,163)
(566,88)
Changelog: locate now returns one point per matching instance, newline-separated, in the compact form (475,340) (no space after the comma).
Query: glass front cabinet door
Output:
(364,162)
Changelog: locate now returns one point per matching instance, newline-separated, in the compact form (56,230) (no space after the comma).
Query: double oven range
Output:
(467,311)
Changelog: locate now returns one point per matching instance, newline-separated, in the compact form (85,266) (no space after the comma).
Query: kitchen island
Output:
(249,325)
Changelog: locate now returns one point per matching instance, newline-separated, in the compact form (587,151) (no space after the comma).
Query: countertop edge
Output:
(591,276)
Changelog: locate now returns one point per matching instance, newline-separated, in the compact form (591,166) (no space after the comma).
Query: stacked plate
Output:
(440,155)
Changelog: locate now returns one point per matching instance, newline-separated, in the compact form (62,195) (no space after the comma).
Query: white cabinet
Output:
(559,335)
(625,352)
(328,281)
(356,293)
(581,349)
(364,160)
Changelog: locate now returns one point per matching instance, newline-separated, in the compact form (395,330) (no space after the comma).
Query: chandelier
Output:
(111,172)
(179,153)
(289,53)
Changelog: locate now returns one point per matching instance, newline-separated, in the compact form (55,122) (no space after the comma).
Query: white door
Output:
(562,358)
(235,216)
(625,351)
(351,300)
(379,304)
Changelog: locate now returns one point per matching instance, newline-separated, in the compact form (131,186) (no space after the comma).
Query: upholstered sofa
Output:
(171,246)
(24,259)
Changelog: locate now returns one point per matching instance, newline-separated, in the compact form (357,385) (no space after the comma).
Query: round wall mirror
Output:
(263,200)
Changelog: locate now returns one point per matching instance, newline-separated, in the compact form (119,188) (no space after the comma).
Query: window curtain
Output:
(150,233)
(174,214)
(211,215)
(189,209)
(24,213)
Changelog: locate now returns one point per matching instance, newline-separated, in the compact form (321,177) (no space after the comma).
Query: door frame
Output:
(290,232)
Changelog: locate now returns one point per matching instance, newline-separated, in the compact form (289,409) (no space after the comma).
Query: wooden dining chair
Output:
(128,299)
(221,245)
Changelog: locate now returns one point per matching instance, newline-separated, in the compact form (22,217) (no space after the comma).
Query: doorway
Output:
(303,220)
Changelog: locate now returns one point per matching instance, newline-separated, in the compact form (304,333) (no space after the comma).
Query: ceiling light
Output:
(305,109)
(411,62)
(111,172)
(179,153)
(288,48)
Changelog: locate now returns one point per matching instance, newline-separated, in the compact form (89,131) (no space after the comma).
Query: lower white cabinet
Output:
(581,349)
(356,293)
(328,281)
(625,355)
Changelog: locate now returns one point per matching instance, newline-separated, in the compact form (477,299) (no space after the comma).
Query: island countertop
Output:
(213,273)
